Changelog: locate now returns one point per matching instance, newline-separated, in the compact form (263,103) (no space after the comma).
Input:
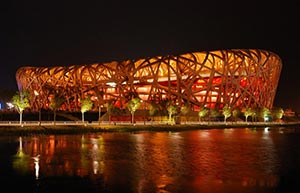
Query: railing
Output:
(95,123)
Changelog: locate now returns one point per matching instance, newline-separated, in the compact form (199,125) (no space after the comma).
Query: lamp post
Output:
(99,116)
(141,101)
(39,105)
(144,112)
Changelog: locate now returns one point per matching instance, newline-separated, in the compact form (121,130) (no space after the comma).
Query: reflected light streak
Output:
(266,129)
(20,152)
(20,144)
(95,166)
(36,166)
(97,154)
(204,134)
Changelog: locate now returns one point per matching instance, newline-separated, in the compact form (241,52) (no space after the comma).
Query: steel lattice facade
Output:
(237,77)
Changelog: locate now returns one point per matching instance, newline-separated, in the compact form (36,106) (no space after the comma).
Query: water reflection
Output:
(21,159)
(232,160)
(36,165)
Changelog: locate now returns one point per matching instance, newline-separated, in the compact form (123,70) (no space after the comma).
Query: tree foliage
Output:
(133,105)
(213,113)
(153,109)
(85,105)
(226,112)
(56,103)
(265,113)
(185,109)
(236,113)
(249,112)
(21,101)
(109,108)
(203,113)
(277,113)
(171,111)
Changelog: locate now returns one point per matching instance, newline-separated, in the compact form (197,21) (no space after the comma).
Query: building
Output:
(237,77)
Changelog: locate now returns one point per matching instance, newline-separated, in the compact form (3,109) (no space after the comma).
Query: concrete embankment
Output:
(47,128)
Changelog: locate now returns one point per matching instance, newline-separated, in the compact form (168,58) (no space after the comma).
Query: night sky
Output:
(51,33)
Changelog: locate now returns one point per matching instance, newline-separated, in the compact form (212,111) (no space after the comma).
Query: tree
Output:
(171,111)
(249,112)
(202,113)
(277,113)
(226,112)
(55,104)
(265,113)
(213,113)
(163,108)
(21,101)
(153,109)
(185,109)
(109,108)
(85,105)
(236,113)
(133,105)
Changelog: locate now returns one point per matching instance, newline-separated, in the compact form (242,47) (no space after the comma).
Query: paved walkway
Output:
(96,123)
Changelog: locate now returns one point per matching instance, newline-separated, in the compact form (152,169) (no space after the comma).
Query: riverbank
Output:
(49,129)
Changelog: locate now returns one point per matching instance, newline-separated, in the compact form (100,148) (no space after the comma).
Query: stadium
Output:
(236,77)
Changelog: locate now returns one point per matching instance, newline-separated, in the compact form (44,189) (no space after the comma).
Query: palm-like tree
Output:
(55,104)
(109,108)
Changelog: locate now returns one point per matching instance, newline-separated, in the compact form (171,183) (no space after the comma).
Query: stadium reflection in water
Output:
(217,160)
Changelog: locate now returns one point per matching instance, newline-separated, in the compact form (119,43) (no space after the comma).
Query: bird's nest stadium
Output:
(236,77)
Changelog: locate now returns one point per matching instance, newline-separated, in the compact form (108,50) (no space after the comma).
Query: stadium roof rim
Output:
(232,50)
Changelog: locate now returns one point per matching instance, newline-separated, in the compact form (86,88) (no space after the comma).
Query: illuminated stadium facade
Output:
(237,77)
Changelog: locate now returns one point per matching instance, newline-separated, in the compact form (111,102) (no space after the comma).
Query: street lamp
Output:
(144,112)
(99,116)
(36,93)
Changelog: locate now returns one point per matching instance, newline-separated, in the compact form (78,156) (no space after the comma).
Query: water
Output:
(215,160)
